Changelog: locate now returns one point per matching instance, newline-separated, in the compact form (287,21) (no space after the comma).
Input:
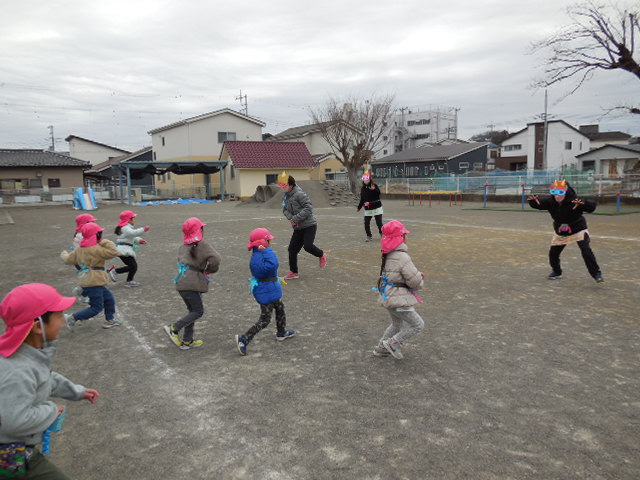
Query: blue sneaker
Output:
(241,342)
(282,336)
(554,276)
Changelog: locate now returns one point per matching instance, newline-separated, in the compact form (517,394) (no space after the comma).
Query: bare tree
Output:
(354,129)
(600,38)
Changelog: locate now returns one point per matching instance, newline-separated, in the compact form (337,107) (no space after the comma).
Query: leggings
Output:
(131,267)
(398,317)
(193,301)
(587,255)
(265,319)
(302,238)
(367,224)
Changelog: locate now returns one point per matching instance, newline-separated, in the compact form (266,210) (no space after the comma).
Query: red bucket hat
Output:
(21,306)
(392,233)
(258,237)
(84,218)
(125,216)
(192,229)
(89,233)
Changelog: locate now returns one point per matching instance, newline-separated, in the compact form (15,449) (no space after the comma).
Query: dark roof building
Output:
(268,154)
(38,158)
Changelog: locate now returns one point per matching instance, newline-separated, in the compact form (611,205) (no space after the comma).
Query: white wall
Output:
(557,154)
(91,152)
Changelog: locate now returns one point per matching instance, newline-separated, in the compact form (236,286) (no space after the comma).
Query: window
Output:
(477,165)
(516,146)
(226,136)
(567,145)
(154,156)
(35,183)
(580,146)
(232,171)
(384,152)
(421,136)
(440,167)
(432,167)
(463,165)
(169,176)
(163,141)
(385,138)
(327,170)
(272,178)
(53,182)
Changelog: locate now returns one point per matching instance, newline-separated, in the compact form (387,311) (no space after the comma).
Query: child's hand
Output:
(60,409)
(576,203)
(261,247)
(91,395)
(534,198)
(143,241)
(64,255)
(146,228)
(422,275)
(294,224)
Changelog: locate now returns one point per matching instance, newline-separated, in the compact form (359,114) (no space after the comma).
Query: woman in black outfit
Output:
(569,226)
(370,200)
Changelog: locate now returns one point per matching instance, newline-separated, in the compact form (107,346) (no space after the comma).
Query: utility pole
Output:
(245,104)
(52,148)
(455,122)
(546,135)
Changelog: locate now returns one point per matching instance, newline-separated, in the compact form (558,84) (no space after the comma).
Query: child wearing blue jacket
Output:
(265,287)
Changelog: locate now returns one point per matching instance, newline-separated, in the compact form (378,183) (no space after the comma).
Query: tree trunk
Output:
(353,179)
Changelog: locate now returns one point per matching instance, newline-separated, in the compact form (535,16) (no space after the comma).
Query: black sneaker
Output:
(598,278)
(554,276)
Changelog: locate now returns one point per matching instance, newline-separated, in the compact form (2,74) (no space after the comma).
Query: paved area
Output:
(514,377)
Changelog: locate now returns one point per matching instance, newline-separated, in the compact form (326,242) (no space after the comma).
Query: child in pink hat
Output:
(398,279)
(265,287)
(196,260)
(91,256)
(127,242)
(33,314)
(77,238)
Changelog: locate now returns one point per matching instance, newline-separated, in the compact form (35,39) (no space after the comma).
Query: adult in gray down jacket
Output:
(297,207)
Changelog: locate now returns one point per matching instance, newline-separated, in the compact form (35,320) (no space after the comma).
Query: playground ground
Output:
(514,376)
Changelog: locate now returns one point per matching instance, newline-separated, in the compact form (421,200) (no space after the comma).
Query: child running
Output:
(196,260)
(569,226)
(370,200)
(93,252)
(33,314)
(265,286)
(77,238)
(127,243)
(399,277)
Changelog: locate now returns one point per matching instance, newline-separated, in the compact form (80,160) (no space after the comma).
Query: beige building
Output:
(92,152)
(252,164)
(311,135)
(200,139)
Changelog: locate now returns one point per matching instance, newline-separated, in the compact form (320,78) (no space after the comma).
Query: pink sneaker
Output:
(291,275)
(323,261)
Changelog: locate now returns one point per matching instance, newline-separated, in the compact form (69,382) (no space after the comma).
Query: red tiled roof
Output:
(269,154)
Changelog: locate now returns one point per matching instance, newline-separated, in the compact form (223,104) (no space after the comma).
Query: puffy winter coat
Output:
(88,257)
(399,268)
(264,264)
(201,259)
(297,207)
(128,237)
(564,213)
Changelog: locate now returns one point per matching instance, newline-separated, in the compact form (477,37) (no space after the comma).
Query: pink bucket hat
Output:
(21,306)
(125,216)
(392,233)
(258,237)
(192,229)
(89,233)
(84,218)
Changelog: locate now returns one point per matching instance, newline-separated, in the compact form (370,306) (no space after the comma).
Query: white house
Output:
(525,148)
(92,152)
(200,139)
(611,161)
(600,139)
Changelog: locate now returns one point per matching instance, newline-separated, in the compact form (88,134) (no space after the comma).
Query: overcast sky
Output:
(110,71)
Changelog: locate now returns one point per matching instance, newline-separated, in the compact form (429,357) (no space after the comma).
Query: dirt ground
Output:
(514,376)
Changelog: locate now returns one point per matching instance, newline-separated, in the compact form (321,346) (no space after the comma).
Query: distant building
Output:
(524,150)
(251,164)
(110,173)
(428,161)
(26,169)
(599,139)
(91,151)
(611,161)
(413,127)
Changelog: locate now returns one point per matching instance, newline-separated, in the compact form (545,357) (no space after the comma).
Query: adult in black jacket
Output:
(370,200)
(569,226)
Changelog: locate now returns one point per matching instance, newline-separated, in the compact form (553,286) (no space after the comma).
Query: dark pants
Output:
(265,319)
(130,269)
(302,238)
(193,301)
(39,468)
(587,255)
(367,224)
(99,298)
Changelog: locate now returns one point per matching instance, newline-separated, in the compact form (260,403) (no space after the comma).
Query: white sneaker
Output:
(70,321)
(132,283)
(110,323)
(113,274)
